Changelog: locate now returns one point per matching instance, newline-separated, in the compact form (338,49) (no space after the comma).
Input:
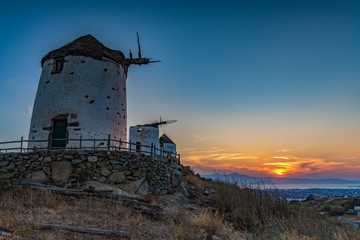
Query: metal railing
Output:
(108,144)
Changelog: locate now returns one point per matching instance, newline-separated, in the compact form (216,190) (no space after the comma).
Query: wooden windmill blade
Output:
(139,60)
(138,40)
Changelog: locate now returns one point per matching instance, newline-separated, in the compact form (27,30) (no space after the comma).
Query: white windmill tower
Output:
(81,93)
(147,135)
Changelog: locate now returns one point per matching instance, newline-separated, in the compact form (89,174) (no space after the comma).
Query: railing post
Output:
(94,144)
(129,145)
(21,143)
(152,146)
(120,145)
(109,142)
(80,141)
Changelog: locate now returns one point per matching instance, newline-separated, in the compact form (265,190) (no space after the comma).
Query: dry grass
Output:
(239,213)
(149,198)
(266,215)
(195,181)
(22,210)
(209,222)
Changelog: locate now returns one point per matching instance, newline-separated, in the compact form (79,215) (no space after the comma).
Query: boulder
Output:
(47,170)
(183,190)
(114,162)
(176,178)
(4,163)
(8,169)
(76,161)
(61,171)
(133,186)
(35,164)
(177,182)
(37,176)
(92,158)
(6,175)
(143,189)
(103,186)
(102,179)
(18,162)
(105,172)
(117,177)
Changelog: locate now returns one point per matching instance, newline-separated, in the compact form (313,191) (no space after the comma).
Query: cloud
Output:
(201,137)
(212,159)
(298,166)
(217,160)
(284,150)
(281,157)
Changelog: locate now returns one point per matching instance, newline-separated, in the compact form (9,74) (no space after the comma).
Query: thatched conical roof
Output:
(87,46)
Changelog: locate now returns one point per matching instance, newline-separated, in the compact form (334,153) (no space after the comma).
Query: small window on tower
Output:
(59,65)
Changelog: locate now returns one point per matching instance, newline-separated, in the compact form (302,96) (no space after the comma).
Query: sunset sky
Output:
(262,88)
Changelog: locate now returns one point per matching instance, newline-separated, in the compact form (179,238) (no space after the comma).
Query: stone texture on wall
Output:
(137,172)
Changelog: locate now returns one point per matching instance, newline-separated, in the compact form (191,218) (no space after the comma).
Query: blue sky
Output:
(247,78)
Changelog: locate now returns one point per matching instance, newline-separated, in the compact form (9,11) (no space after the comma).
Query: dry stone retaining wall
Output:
(109,167)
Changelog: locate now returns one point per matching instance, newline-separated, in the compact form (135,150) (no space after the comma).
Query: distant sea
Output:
(294,188)
(310,186)
(302,191)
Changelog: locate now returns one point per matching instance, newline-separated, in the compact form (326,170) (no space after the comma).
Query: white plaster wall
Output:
(83,79)
(169,147)
(147,136)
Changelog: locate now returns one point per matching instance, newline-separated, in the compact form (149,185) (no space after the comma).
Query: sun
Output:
(279,171)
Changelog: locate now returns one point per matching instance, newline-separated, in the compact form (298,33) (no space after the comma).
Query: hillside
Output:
(214,210)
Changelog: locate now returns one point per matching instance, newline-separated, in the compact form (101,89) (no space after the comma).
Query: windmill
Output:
(147,134)
(139,60)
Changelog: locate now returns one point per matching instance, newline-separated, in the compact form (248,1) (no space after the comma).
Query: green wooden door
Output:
(59,134)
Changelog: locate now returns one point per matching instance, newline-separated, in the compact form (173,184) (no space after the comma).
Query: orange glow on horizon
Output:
(279,171)
(269,164)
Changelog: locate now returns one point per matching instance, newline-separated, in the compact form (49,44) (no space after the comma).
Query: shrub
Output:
(195,181)
(4,186)
(337,210)
(349,203)
(325,207)
(351,212)
(267,215)
(249,209)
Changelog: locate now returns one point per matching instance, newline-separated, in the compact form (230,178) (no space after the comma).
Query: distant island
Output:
(244,179)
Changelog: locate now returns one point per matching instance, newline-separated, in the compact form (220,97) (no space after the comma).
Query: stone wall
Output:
(121,169)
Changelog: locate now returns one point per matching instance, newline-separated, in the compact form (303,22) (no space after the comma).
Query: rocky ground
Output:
(26,210)
(211,210)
